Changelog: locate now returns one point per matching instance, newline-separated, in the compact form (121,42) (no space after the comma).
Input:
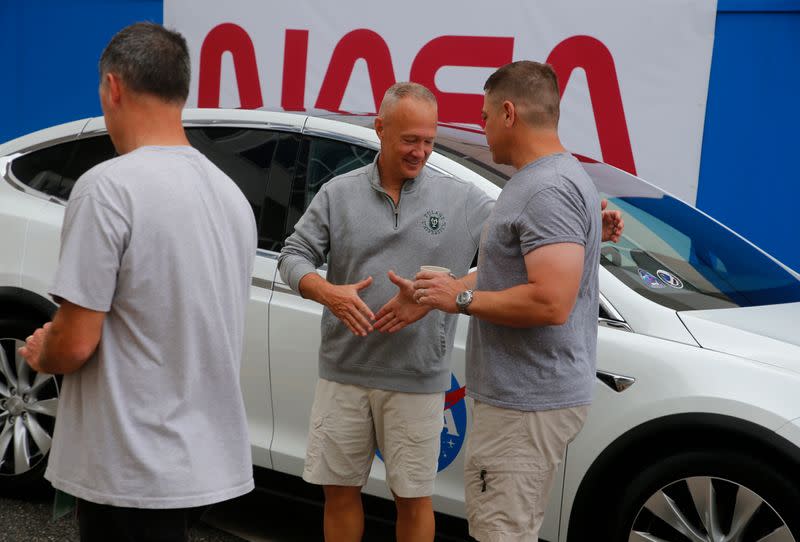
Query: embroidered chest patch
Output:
(434,222)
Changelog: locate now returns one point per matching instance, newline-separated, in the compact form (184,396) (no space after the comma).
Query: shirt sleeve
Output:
(552,215)
(479,207)
(93,240)
(307,248)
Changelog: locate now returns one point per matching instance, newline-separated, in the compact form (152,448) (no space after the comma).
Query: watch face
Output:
(461,298)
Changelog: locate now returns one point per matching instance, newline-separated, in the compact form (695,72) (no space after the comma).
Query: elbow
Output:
(555,314)
(549,306)
(559,319)
(67,359)
(78,355)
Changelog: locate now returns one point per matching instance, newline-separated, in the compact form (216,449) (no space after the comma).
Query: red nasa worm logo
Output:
(576,52)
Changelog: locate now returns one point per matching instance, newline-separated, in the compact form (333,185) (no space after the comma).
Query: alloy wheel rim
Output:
(708,509)
(28,406)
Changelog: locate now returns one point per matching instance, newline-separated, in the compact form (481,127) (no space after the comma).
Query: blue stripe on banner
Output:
(50,53)
(724,6)
(748,171)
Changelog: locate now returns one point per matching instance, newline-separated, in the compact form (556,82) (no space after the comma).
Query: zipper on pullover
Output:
(395,208)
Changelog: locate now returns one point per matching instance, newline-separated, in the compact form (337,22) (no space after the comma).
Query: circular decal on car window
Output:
(650,279)
(669,279)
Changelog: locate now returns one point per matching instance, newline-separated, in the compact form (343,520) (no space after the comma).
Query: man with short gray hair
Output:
(157,251)
(383,390)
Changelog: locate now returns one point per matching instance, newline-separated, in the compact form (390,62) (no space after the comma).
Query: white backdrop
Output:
(634,73)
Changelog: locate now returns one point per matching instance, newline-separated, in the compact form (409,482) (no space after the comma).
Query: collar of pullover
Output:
(375,179)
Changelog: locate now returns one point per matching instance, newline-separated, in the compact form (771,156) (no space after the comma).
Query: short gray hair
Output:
(402,90)
(149,59)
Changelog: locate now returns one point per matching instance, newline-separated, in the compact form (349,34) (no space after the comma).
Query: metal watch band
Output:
(463,304)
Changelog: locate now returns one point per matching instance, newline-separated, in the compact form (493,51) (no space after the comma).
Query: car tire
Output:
(28,403)
(707,495)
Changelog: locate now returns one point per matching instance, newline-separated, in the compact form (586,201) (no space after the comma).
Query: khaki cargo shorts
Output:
(509,468)
(348,422)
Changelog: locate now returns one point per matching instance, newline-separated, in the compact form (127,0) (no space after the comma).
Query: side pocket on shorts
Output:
(316,437)
(422,449)
(503,496)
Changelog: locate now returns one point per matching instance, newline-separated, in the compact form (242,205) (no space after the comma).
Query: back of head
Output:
(149,59)
(533,89)
(402,90)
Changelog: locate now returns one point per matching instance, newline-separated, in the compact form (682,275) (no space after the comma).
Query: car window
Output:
(670,252)
(474,157)
(320,161)
(679,258)
(254,159)
(327,159)
(54,170)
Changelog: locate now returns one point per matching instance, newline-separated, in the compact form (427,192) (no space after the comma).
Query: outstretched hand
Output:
(613,224)
(345,303)
(402,309)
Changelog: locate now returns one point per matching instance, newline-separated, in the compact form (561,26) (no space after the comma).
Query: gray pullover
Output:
(354,226)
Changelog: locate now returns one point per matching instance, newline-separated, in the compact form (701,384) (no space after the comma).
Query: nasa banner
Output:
(633,73)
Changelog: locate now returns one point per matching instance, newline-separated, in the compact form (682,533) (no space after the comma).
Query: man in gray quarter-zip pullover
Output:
(378,388)
(383,389)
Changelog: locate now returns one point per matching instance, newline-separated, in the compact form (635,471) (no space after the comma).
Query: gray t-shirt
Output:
(163,242)
(551,200)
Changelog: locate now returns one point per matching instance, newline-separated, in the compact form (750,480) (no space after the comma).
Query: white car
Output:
(694,434)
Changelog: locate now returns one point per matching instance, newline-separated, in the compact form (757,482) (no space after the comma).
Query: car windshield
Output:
(670,252)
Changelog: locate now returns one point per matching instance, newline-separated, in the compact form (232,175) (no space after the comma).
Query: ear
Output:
(379,127)
(114,86)
(509,114)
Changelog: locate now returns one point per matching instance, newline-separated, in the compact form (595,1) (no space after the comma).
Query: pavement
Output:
(28,517)
(281,509)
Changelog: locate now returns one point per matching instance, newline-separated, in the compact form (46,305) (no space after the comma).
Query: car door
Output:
(294,333)
(262,163)
(40,178)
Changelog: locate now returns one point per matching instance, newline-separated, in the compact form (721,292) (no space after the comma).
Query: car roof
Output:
(464,141)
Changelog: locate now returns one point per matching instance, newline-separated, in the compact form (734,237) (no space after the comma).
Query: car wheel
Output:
(28,404)
(709,496)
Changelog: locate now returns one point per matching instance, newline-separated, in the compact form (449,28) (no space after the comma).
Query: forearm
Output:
(62,354)
(519,306)
(312,286)
(293,267)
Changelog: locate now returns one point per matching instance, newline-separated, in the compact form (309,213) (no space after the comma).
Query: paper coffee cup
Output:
(434,269)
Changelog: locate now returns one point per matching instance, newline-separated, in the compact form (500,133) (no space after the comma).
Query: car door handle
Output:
(261,283)
(618,383)
(613,324)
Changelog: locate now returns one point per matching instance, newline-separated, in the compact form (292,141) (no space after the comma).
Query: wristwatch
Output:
(463,300)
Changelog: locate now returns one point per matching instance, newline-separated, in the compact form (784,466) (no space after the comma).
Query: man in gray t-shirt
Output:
(549,365)
(533,335)
(156,257)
